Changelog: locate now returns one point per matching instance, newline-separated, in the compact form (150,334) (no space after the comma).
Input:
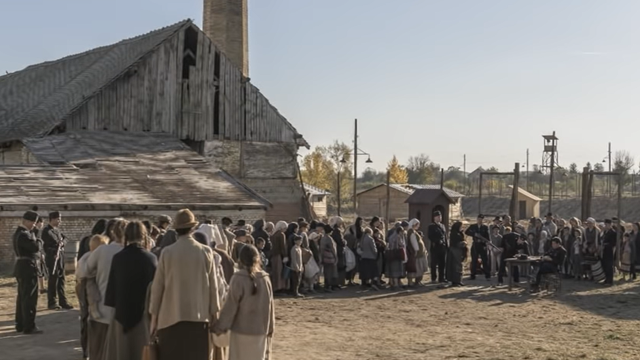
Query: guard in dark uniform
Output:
(438,245)
(54,242)
(609,241)
(480,234)
(27,251)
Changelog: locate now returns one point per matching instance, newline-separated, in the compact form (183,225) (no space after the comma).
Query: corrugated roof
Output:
(35,100)
(410,188)
(314,190)
(121,168)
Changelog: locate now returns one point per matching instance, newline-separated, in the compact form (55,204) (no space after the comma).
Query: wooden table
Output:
(523,267)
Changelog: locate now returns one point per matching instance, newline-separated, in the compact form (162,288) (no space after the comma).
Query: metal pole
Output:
(620,229)
(480,195)
(355,168)
(514,196)
(442,178)
(464,170)
(527,184)
(609,177)
(553,159)
(338,192)
(386,210)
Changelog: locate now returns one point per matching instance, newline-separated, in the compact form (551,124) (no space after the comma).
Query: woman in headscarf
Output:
(575,252)
(379,237)
(368,261)
(337,235)
(353,237)
(396,252)
(417,254)
(279,256)
(132,271)
(457,254)
(627,257)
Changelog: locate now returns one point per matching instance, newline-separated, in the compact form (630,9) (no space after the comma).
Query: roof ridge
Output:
(99,48)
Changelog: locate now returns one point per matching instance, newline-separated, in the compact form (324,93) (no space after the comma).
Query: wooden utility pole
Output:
(480,194)
(527,183)
(585,181)
(609,178)
(441,178)
(513,209)
(355,168)
(464,170)
(620,229)
(386,210)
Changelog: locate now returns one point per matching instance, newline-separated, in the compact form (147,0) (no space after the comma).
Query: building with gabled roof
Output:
(172,81)
(318,200)
(373,201)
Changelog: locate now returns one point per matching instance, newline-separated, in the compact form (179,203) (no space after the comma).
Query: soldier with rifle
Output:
(27,252)
(480,233)
(54,241)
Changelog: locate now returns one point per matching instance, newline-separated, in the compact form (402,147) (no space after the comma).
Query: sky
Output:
(485,78)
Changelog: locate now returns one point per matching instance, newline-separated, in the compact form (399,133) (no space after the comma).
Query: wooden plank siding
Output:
(153,97)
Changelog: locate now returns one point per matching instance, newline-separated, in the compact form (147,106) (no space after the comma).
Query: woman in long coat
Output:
(457,254)
(395,266)
(329,257)
(279,256)
(132,271)
(417,254)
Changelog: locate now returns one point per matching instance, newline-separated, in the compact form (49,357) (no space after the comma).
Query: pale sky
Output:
(445,78)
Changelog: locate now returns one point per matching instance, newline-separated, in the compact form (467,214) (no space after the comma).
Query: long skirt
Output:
(330,273)
(277,281)
(395,269)
(248,347)
(454,265)
(121,346)
(576,264)
(97,339)
(421,267)
(368,269)
(184,340)
(625,262)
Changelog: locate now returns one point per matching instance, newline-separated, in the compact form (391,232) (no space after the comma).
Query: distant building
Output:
(528,204)
(318,200)
(373,201)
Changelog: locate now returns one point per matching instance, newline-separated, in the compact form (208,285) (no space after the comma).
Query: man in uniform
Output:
(54,242)
(609,241)
(26,249)
(480,234)
(438,243)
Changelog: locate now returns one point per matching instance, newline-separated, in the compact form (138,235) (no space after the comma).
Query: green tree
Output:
(573,168)
(421,170)
(397,174)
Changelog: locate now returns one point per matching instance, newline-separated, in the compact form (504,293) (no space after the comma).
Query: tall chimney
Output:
(226,24)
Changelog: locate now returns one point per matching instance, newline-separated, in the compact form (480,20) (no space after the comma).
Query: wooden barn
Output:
(373,201)
(528,204)
(172,81)
(318,200)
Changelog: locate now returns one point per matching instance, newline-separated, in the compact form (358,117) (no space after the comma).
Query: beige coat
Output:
(185,285)
(296,259)
(246,313)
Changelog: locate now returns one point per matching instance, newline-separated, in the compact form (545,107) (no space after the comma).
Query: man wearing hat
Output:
(54,241)
(512,245)
(438,244)
(26,249)
(480,234)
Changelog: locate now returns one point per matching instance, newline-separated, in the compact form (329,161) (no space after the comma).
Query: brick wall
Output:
(226,23)
(77,227)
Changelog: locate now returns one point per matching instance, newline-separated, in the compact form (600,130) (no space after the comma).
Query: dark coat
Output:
(27,251)
(482,230)
(437,235)
(132,270)
(54,240)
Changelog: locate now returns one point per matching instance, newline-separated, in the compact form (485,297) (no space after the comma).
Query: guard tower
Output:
(550,161)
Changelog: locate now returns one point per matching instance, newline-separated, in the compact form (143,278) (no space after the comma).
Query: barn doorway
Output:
(522,209)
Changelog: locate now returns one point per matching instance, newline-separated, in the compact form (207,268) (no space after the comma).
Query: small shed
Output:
(424,202)
(318,200)
(373,201)
(528,204)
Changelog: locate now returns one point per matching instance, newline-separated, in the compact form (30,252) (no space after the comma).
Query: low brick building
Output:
(92,175)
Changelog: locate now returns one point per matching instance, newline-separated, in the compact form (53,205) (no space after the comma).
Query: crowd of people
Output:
(206,291)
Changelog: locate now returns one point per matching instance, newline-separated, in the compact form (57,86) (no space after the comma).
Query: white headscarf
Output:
(413,223)
(336,220)
(281,226)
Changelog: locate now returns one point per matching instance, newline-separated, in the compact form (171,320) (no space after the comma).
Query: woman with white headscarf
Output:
(417,254)
(278,256)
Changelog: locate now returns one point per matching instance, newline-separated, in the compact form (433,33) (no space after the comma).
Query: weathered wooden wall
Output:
(153,96)
(372,203)
(16,154)
(319,204)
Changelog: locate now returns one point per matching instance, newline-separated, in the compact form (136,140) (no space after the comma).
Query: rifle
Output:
(494,249)
(55,263)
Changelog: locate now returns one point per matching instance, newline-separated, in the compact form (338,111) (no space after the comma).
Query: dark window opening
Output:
(190,51)
(216,95)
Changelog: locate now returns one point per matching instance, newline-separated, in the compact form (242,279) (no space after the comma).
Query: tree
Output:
(421,170)
(397,173)
(598,167)
(317,170)
(623,162)
(573,168)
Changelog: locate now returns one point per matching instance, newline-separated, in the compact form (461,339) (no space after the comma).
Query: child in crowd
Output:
(297,266)
(86,288)
(260,243)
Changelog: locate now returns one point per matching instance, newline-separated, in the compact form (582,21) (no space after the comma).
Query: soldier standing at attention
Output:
(480,234)
(54,242)
(26,249)
(438,248)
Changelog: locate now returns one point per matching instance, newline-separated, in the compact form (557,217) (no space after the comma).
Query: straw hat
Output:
(185,220)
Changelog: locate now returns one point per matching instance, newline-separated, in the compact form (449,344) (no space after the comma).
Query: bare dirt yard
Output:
(477,321)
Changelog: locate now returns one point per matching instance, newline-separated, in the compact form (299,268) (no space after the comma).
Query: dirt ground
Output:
(477,321)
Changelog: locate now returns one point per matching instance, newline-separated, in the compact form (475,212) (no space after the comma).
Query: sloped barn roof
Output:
(411,188)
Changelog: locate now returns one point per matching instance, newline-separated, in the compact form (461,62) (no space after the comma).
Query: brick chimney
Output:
(226,24)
